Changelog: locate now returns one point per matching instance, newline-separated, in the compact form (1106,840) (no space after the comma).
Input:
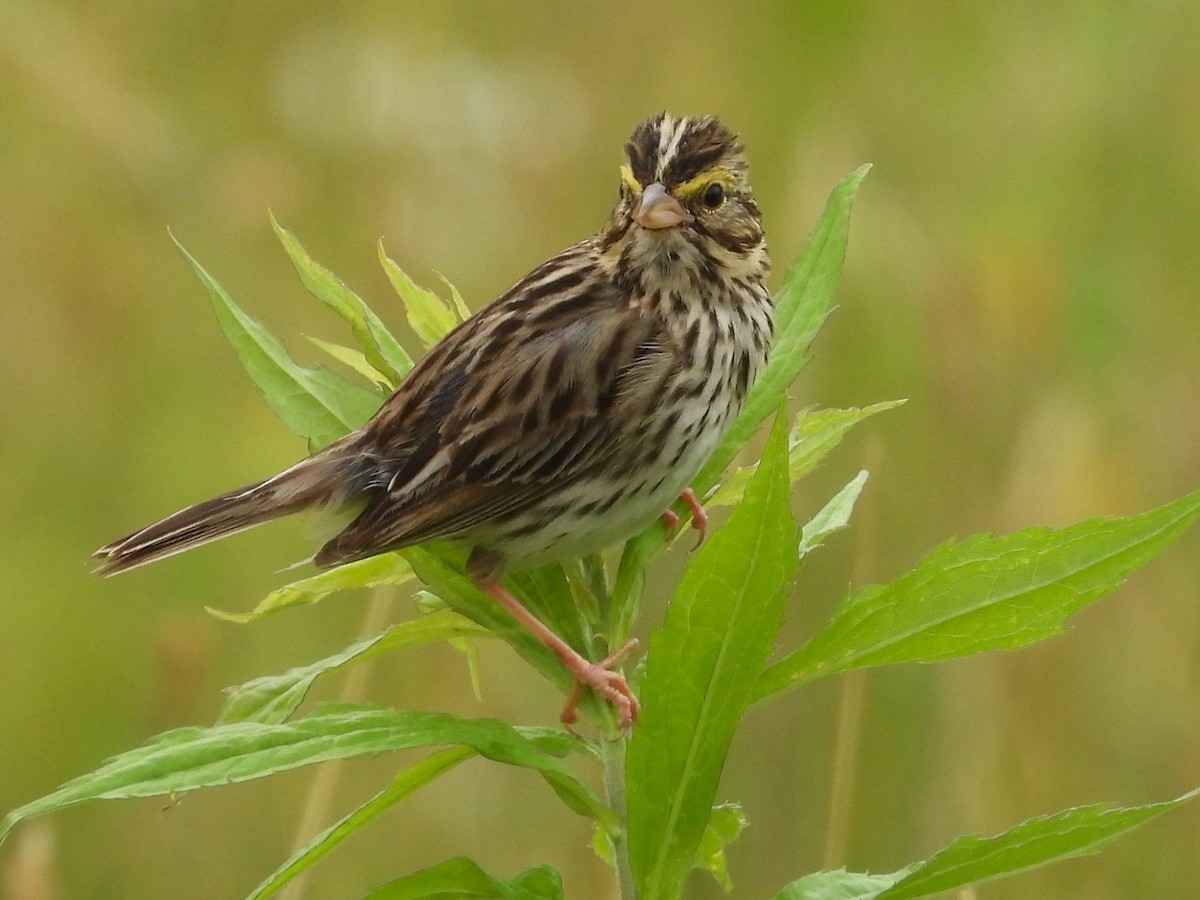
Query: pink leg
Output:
(598,676)
(699,516)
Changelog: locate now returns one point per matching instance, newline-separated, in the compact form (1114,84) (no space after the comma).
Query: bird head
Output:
(685,200)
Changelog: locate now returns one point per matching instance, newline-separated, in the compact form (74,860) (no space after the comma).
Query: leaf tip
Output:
(226,616)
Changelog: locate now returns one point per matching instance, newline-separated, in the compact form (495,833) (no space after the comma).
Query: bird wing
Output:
(525,398)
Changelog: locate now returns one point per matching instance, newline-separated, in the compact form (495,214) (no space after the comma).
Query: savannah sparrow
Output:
(565,415)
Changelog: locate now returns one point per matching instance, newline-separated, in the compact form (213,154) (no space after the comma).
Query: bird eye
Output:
(714,195)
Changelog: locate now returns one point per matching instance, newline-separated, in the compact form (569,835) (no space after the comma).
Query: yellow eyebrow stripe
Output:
(688,188)
(718,174)
(627,177)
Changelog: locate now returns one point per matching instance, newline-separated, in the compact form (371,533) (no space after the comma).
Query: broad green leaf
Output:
(381,349)
(273,698)
(386,568)
(985,593)
(724,825)
(1046,839)
(189,758)
(800,308)
(838,885)
(834,515)
(428,315)
(701,670)
(813,436)
(462,878)
(401,786)
(314,403)
(352,359)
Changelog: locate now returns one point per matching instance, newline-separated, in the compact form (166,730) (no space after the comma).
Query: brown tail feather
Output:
(317,481)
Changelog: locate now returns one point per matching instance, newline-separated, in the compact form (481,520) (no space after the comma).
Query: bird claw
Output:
(609,684)
(699,516)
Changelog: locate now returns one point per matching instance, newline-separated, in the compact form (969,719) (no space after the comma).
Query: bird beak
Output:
(658,209)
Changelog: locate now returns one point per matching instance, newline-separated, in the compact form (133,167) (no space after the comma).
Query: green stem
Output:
(612,756)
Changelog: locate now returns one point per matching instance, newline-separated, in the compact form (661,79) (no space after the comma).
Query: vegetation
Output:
(715,656)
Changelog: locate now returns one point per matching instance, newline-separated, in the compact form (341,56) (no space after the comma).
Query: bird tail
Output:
(321,480)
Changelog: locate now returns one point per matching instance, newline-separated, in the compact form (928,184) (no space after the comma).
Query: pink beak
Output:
(658,209)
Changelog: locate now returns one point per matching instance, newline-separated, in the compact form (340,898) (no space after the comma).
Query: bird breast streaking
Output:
(566,414)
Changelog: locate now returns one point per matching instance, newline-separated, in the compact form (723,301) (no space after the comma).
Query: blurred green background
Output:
(1023,267)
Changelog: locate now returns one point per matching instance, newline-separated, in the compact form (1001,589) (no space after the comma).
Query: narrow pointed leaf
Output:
(1073,832)
(985,593)
(460,305)
(461,878)
(701,670)
(838,885)
(352,359)
(189,758)
(429,317)
(273,698)
(374,571)
(381,349)
(401,786)
(834,515)
(814,435)
(314,403)
(800,308)
(973,859)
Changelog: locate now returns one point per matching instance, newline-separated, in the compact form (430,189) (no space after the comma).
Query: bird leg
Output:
(599,676)
(699,516)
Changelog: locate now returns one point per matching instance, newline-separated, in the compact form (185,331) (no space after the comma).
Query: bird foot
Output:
(699,516)
(609,684)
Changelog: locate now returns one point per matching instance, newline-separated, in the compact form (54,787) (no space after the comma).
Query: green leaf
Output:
(984,593)
(973,859)
(460,305)
(724,825)
(382,350)
(1046,839)
(463,878)
(386,568)
(838,885)
(352,359)
(813,436)
(401,786)
(273,698)
(834,515)
(189,758)
(800,308)
(314,403)
(701,670)
(429,317)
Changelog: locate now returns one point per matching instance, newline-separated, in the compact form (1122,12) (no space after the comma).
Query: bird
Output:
(563,417)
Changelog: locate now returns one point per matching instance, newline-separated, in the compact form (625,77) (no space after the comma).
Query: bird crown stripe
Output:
(669,143)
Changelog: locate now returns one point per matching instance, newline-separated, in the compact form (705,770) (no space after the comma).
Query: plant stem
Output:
(612,756)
